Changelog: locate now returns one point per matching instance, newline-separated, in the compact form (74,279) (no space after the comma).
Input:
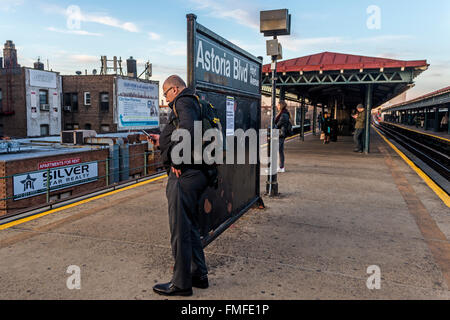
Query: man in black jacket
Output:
(186,184)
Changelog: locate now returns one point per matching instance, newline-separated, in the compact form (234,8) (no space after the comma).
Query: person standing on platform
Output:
(360,124)
(282,123)
(326,127)
(444,122)
(185,186)
(319,120)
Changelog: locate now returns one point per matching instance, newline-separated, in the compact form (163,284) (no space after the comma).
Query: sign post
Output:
(274,23)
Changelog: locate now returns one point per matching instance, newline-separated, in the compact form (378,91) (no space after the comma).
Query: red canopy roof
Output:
(331,61)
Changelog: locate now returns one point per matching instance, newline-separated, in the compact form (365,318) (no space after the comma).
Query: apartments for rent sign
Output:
(219,65)
(31,184)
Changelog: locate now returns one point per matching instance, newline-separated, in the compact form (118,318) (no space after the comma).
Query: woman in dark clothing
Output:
(282,123)
(326,127)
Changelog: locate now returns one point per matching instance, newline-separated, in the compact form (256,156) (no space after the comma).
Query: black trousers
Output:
(183,195)
(281,152)
(358,138)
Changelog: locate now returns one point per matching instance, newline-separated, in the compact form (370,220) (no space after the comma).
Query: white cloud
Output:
(77,32)
(83,58)
(75,12)
(296,44)
(245,17)
(154,36)
(108,21)
(10,5)
(171,48)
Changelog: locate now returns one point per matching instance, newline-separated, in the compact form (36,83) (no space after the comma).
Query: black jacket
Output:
(188,111)
(283,123)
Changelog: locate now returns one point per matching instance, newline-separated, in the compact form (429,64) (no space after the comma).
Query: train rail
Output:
(433,152)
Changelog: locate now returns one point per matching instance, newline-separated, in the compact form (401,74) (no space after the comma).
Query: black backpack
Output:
(208,114)
(210,120)
(290,132)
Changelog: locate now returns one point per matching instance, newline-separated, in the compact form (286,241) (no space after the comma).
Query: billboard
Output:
(137,104)
(42,79)
(230,79)
(31,184)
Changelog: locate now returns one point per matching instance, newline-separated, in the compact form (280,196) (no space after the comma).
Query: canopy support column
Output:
(369,92)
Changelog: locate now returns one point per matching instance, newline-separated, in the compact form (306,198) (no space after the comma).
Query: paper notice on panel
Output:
(230,116)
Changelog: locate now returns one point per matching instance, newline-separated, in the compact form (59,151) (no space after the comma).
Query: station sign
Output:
(218,65)
(229,78)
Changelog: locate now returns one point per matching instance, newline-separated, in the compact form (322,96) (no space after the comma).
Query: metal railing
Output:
(109,172)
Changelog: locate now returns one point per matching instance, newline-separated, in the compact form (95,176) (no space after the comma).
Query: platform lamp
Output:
(274,23)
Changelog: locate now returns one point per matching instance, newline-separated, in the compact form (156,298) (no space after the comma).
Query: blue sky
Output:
(156,31)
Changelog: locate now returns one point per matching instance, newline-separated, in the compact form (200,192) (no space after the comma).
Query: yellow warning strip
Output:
(39,215)
(287,139)
(440,193)
(417,131)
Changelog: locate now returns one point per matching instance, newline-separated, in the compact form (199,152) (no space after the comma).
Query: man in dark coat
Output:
(185,186)
(360,125)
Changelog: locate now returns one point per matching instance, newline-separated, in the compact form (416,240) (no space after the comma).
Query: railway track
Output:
(433,152)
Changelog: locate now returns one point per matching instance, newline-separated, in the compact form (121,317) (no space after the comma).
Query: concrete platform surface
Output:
(339,213)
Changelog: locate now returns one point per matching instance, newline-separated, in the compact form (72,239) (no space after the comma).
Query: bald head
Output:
(172,87)
(174,81)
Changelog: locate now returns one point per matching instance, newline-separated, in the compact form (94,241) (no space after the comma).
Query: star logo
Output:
(28,183)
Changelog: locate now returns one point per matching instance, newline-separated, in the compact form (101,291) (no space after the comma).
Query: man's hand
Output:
(177,172)
(154,139)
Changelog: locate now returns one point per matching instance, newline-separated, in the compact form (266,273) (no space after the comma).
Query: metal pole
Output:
(107,171)
(314,119)
(272,184)
(145,163)
(425,125)
(436,120)
(191,25)
(303,120)
(369,90)
(48,185)
(448,116)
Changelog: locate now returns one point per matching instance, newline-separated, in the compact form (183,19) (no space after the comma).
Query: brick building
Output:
(30,99)
(88,103)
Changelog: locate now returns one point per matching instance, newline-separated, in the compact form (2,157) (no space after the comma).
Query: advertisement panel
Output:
(137,104)
(42,79)
(31,184)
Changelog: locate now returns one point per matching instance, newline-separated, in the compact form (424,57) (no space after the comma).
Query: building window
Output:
(1,100)
(68,126)
(71,101)
(43,100)
(87,98)
(45,130)
(87,126)
(76,126)
(105,128)
(104,101)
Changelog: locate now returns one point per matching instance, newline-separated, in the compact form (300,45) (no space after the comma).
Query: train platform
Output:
(339,214)
(441,134)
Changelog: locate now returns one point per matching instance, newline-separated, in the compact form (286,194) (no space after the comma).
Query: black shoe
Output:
(169,289)
(200,282)
(356,150)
